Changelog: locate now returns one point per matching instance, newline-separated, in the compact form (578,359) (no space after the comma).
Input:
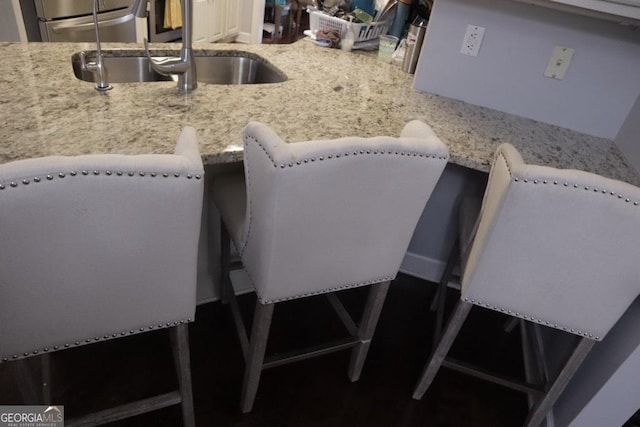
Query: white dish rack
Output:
(363,32)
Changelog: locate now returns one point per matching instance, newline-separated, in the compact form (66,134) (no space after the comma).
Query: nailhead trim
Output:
(345,154)
(61,175)
(326,291)
(577,186)
(566,184)
(531,318)
(94,339)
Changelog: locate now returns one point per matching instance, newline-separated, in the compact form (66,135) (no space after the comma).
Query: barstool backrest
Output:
(329,215)
(98,246)
(557,247)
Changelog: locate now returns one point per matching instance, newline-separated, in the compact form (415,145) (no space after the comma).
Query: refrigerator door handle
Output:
(70,28)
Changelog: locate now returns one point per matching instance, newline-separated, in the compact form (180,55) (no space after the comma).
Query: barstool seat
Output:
(99,247)
(550,247)
(318,217)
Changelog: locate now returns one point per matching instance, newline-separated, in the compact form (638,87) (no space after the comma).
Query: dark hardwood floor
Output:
(314,392)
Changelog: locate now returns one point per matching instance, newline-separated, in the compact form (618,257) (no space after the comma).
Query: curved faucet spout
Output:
(185,65)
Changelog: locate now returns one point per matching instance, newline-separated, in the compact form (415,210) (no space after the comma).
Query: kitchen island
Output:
(45,110)
(329,93)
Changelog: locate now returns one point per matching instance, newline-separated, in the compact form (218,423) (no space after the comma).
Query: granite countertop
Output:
(45,110)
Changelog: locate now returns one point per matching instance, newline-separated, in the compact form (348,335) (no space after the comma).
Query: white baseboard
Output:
(422,267)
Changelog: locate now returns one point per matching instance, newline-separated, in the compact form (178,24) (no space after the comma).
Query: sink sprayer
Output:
(98,66)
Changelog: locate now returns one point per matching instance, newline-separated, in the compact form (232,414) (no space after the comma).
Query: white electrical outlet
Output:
(559,62)
(472,40)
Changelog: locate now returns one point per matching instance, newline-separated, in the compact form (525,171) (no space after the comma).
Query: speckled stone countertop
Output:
(45,110)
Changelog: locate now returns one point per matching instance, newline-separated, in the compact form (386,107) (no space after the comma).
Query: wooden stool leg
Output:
(372,310)
(555,389)
(46,378)
(180,344)
(439,299)
(22,375)
(225,256)
(255,356)
(458,317)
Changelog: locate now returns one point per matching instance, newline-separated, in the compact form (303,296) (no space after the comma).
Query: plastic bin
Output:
(363,32)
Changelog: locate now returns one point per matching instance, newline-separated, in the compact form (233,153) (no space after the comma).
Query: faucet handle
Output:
(86,66)
(96,67)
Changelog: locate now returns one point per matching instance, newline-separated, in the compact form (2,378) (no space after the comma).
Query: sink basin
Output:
(224,68)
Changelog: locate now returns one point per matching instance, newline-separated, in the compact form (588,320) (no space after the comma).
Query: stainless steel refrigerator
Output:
(72,20)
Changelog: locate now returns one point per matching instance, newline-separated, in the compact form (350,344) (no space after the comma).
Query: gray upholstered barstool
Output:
(552,247)
(317,217)
(98,247)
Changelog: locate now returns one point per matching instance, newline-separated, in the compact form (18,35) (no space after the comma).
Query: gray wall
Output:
(436,231)
(604,392)
(601,85)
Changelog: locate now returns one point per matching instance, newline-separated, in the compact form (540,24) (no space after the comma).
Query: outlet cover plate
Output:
(472,40)
(559,62)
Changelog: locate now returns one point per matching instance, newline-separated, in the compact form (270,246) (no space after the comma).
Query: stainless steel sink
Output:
(224,68)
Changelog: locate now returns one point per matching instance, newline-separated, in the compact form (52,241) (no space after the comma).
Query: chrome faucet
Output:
(97,66)
(185,65)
